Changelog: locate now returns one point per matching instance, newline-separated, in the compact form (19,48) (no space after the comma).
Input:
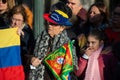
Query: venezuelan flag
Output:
(60,62)
(10,59)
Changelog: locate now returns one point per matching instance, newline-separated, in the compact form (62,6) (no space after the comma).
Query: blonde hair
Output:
(11,4)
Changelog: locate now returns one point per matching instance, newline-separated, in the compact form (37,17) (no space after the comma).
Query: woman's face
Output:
(3,6)
(54,29)
(17,20)
(93,43)
(94,15)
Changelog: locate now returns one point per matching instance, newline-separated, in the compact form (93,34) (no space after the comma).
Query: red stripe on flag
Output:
(12,73)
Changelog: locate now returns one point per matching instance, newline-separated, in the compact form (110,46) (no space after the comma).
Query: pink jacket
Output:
(106,62)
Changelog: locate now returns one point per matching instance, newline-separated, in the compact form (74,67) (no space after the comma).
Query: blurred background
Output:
(39,7)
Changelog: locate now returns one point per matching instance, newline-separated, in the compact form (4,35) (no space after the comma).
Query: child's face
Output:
(93,43)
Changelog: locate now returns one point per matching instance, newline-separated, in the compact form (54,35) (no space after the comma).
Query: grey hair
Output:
(81,2)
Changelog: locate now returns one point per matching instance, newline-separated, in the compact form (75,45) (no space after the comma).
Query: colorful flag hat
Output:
(58,17)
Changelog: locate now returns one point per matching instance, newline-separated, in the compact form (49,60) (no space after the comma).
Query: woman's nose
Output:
(91,14)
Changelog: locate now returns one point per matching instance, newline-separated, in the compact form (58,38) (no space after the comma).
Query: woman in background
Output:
(17,18)
(97,18)
(5,6)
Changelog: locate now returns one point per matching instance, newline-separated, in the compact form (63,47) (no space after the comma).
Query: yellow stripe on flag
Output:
(9,37)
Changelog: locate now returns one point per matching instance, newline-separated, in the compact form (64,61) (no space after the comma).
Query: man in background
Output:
(78,14)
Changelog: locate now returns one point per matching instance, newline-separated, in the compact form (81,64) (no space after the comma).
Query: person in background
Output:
(29,16)
(78,18)
(97,18)
(113,31)
(17,18)
(52,38)
(93,65)
(5,6)
(79,15)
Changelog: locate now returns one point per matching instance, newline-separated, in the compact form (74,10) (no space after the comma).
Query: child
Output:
(94,65)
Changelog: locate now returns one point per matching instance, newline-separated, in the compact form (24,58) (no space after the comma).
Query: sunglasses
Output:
(3,1)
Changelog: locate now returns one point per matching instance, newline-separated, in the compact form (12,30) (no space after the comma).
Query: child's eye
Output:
(93,42)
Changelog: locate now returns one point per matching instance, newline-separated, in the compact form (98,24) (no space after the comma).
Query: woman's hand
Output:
(20,32)
(35,61)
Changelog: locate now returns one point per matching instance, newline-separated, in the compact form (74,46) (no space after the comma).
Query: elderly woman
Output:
(48,41)
(17,18)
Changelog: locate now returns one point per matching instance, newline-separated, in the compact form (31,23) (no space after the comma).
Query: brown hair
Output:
(18,9)
(103,10)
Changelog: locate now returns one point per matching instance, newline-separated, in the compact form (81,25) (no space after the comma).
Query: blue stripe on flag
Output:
(10,56)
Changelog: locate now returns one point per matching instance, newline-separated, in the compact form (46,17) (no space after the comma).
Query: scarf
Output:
(45,44)
(92,71)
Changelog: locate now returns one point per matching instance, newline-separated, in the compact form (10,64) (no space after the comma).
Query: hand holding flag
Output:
(60,62)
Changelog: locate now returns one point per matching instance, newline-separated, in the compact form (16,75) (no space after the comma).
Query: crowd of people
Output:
(96,36)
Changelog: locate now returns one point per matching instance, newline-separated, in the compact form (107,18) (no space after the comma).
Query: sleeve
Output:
(82,64)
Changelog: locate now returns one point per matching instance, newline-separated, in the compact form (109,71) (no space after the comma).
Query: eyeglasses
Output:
(19,20)
(3,1)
